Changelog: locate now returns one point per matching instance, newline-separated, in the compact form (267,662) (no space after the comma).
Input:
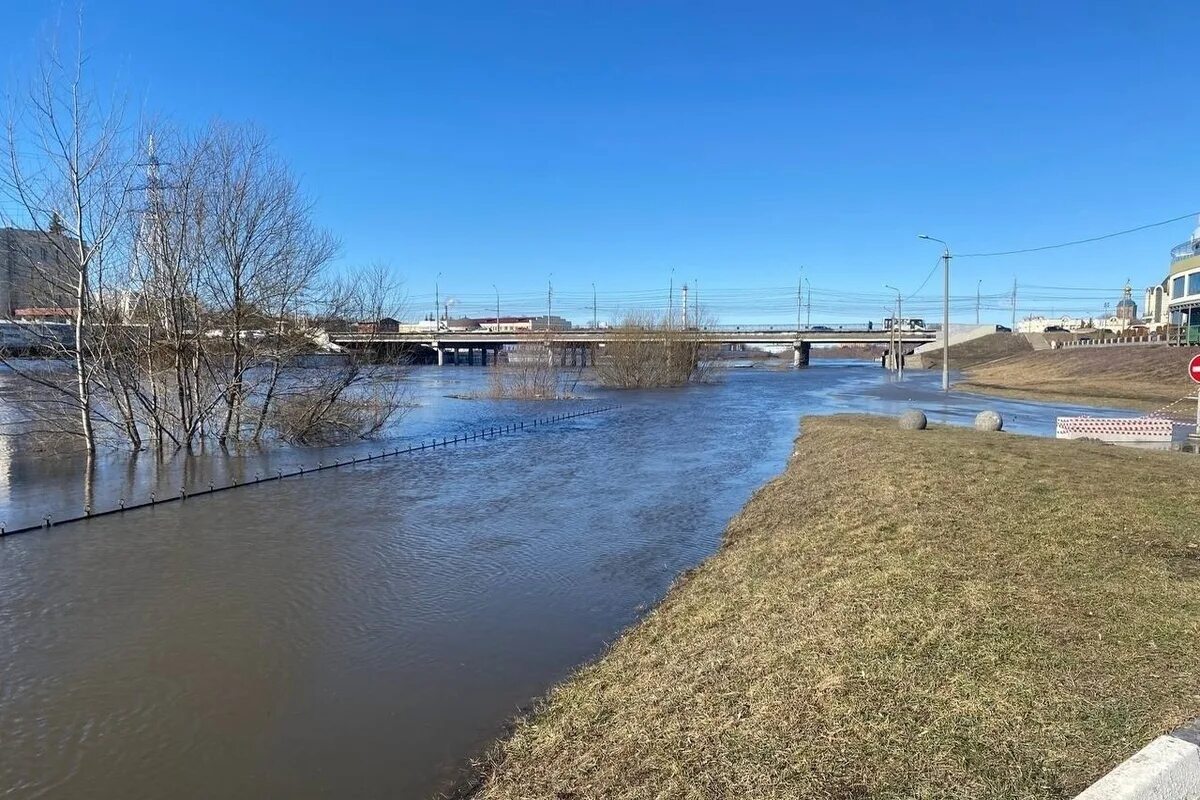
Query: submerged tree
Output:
(188,267)
(645,352)
(68,173)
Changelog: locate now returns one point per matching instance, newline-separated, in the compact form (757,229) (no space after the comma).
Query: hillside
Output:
(1144,376)
(975,351)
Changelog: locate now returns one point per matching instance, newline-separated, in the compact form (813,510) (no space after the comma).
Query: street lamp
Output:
(898,356)
(945,310)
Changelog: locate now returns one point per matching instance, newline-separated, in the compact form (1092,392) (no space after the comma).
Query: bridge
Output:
(575,344)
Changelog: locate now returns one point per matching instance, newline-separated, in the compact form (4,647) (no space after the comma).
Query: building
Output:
(385,325)
(44,314)
(36,271)
(1038,324)
(1127,309)
(1176,301)
(527,322)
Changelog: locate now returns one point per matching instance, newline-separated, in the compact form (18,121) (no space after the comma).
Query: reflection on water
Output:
(361,632)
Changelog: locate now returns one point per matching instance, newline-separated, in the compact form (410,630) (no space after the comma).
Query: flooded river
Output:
(363,631)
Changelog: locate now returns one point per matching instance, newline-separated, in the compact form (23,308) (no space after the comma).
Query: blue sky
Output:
(734,142)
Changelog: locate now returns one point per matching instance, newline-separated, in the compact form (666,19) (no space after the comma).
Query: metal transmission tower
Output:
(147,270)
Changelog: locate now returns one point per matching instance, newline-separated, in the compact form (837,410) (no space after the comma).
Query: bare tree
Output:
(363,394)
(188,275)
(644,351)
(68,172)
(262,254)
(527,372)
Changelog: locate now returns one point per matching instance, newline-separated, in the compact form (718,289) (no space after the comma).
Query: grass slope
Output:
(938,614)
(977,351)
(1144,376)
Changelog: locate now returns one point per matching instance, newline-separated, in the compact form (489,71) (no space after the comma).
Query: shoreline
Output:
(1074,398)
(814,654)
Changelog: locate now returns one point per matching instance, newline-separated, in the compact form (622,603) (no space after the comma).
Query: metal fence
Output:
(483,434)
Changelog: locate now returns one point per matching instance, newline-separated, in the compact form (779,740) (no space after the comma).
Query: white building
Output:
(1176,301)
(1038,324)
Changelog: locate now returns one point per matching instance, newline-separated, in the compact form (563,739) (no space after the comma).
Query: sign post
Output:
(1194,374)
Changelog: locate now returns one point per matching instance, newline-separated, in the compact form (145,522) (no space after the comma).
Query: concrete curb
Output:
(1166,769)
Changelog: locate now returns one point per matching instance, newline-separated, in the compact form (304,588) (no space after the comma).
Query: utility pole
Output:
(977,287)
(497,307)
(549,308)
(671,301)
(799,301)
(1014,306)
(595,317)
(898,353)
(437,303)
(685,307)
(890,360)
(696,301)
(808,312)
(945,310)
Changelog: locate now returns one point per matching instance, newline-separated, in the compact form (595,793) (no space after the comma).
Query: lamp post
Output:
(899,326)
(945,310)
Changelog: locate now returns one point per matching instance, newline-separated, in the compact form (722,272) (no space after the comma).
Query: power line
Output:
(927,277)
(1079,241)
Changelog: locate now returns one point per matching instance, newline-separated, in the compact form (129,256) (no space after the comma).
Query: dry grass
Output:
(938,614)
(1147,377)
(976,351)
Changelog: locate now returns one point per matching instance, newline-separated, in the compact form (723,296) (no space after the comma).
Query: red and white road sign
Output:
(1194,369)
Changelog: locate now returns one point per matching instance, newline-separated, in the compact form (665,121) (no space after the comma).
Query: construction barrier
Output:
(1115,429)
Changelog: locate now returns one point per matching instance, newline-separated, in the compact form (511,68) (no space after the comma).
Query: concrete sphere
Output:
(988,421)
(913,420)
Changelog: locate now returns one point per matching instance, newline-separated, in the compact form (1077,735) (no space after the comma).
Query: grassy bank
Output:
(1143,377)
(938,614)
(976,351)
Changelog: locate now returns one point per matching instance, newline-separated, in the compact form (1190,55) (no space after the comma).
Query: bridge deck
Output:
(591,336)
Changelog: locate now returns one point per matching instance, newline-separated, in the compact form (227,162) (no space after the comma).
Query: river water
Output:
(363,631)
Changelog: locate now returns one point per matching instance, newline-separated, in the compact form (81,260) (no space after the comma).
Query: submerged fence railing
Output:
(483,434)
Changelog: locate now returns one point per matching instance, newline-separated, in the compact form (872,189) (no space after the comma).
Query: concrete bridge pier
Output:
(441,356)
(801,352)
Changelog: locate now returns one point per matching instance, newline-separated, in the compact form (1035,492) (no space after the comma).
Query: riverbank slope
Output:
(937,614)
(1147,377)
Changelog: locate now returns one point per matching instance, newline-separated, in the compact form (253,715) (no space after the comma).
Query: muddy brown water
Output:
(364,631)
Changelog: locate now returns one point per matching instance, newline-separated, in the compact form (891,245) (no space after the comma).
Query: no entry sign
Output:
(1194,369)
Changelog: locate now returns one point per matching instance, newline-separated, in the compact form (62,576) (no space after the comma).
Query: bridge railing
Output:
(570,332)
